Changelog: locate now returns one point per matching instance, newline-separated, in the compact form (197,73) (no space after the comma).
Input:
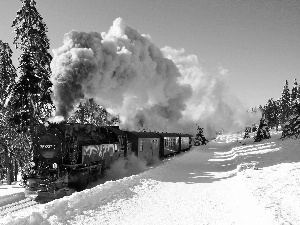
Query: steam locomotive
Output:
(67,157)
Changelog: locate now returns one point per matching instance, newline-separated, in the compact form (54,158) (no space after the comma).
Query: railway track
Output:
(16,206)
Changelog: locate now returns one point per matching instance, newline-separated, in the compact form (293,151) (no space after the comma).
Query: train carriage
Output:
(145,144)
(169,144)
(185,141)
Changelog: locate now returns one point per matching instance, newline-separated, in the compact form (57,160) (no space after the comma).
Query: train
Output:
(68,156)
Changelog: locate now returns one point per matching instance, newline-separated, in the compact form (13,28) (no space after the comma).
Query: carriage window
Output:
(141,146)
(121,140)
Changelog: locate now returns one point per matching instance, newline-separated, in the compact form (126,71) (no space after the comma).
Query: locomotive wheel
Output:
(80,184)
(80,181)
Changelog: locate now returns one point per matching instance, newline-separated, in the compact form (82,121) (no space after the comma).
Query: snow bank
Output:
(277,186)
(11,193)
(10,189)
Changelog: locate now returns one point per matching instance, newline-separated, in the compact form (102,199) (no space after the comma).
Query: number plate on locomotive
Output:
(47,146)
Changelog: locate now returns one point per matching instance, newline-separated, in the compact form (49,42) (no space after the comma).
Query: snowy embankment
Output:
(11,193)
(206,185)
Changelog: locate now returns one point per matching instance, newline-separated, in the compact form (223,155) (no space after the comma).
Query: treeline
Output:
(284,112)
(26,91)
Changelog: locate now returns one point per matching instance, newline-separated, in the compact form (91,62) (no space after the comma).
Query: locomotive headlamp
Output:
(54,166)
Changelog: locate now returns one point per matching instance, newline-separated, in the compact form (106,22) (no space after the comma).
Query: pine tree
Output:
(271,113)
(7,72)
(263,131)
(246,133)
(285,107)
(200,138)
(298,100)
(291,127)
(7,82)
(295,99)
(32,101)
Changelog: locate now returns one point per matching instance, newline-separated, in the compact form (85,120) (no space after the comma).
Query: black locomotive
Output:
(69,156)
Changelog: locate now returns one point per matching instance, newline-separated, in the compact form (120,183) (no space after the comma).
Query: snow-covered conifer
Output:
(32,91)
(291,128)
(7,82)
(285,106)
(295,99)
(200,138)
(271,113)
(7,73)
(246,133)
(263,131)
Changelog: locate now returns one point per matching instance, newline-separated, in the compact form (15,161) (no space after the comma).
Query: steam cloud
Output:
(160,89)
(125,167)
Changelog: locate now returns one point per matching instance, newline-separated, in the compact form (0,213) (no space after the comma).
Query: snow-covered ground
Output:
(10,189)
(11,193)
(213,184)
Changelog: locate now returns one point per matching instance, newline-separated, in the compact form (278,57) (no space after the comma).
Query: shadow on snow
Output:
(215,162)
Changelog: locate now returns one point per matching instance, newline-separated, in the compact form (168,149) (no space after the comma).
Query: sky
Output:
(255,43)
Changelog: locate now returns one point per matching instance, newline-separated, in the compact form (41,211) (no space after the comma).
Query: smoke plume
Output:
(211,105)
(159,89)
